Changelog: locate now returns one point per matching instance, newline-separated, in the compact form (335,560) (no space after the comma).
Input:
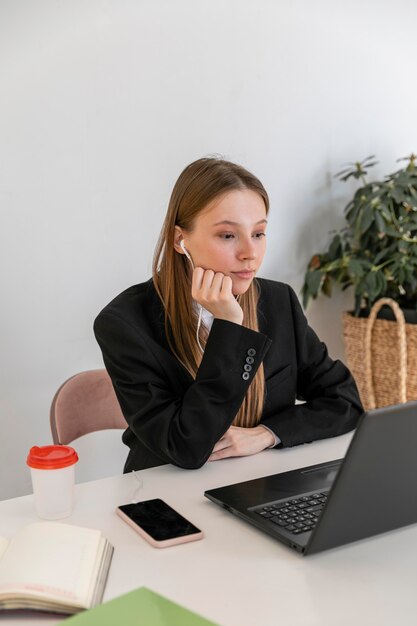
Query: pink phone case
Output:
(166,543)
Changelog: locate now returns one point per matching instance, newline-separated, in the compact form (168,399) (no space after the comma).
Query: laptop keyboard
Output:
(297,515)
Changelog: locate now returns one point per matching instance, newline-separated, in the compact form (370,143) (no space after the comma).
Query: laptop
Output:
(371,491)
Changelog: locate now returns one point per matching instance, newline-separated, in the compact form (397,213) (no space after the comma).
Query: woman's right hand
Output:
(213,290)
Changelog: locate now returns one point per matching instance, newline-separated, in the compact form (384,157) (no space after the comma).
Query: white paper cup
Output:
(52,470)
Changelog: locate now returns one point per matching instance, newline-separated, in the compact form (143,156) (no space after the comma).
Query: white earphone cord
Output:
(197,335)
(200,313)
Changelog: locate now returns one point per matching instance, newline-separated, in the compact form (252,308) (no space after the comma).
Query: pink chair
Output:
(84,404)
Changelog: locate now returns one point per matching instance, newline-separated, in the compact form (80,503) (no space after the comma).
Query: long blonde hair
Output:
(199,183)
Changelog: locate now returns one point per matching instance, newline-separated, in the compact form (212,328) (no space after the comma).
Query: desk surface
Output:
(237,576)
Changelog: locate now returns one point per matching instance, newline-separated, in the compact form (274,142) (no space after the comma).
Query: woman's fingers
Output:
(221,444)
(206,284)
(212,284)
(208,279)
(213,290)
(241,442)
(226,286)
(196,282)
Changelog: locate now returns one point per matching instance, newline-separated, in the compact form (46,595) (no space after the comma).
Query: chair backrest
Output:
(84,404)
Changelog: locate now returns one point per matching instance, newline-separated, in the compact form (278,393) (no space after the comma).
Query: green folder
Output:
(141,607)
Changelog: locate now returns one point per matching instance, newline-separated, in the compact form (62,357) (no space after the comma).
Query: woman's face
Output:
(228,236)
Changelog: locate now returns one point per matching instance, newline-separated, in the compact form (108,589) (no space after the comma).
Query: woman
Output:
(207,360)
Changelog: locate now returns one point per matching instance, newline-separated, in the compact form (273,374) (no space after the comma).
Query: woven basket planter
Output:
(382,356)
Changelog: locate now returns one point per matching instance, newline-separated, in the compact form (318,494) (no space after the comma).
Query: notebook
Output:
(51,566)
(141,607)
(327,505)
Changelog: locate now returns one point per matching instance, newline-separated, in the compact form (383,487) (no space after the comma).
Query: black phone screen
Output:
(159,520)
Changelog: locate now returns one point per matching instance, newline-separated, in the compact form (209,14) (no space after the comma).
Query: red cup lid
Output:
(51,457)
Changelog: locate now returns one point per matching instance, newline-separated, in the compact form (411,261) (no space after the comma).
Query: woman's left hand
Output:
(238,441)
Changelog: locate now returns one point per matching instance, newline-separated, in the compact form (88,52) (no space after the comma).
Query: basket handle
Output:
(399,316)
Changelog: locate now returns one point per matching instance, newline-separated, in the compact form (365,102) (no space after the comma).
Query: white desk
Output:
(237,576)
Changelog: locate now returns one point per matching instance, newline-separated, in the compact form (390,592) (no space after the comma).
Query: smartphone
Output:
(158,523)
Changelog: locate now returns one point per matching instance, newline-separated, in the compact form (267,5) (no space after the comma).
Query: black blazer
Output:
(175,419)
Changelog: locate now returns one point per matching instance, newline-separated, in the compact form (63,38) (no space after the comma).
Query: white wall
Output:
(103,102)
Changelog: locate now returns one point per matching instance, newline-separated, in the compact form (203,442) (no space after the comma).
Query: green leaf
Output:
(381,255)
(401,275)
(306,295)
(313,280)
(335,249)
(380,222)
(371,283)
(398,195)
(367,219)
(327,286)
(358,303)
(381,283)
(369,158)
(413,192)
(393,232)
(356,268)
(385,212)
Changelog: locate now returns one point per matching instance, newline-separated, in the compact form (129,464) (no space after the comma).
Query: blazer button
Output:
(247,368)
(245,376)
(251,352)
(250,360)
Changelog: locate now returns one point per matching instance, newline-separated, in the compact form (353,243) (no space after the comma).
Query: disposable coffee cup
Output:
(52,470)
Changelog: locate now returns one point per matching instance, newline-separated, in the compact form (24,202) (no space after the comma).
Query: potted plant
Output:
(376,254)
